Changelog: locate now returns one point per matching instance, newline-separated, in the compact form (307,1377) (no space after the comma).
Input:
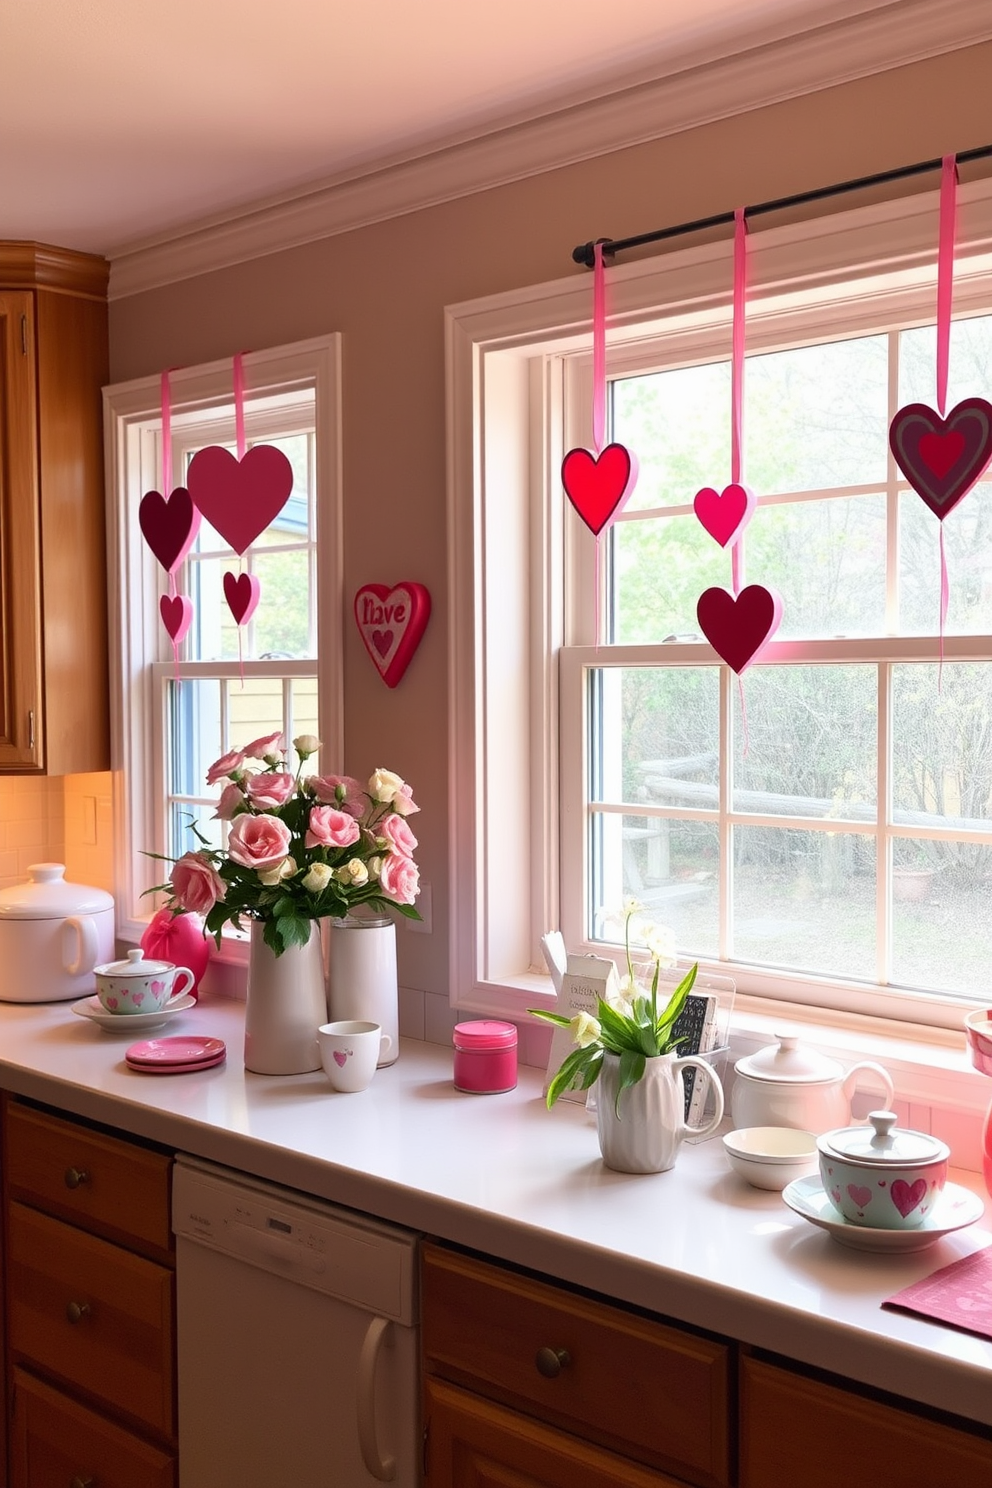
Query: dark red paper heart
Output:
(598,488)
(240,498)
(177,615)
(169,525)
(739,629)
(391,622)
(241,592)
(942,458)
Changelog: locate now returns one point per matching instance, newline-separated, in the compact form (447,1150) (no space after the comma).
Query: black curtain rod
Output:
(584,253)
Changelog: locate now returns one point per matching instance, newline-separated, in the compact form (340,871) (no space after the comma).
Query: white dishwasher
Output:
(297,1339)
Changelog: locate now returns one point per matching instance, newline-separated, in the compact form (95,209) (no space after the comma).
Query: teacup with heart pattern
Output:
(135,985)
(880,1177)
(350,1051)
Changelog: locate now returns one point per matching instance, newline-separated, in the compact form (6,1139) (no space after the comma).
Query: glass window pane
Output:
(669,865)
(195,734)
(968,547)
(805,900)
(678,425)
(282,624)
(942,745)
(941,912)
(811,742)
(827,560)
(660,568)
(652,723)
(969,365)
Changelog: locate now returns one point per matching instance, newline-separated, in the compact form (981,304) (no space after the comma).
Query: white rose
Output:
(353,872)
(274,876)
(384,785)
(375,867)
(584,1029)
(306,745)
(318,878)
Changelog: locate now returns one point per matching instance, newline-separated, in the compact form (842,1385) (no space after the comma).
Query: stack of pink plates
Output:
(176,1056)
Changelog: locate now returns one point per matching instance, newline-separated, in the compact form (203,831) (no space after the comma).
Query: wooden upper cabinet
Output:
(54,700)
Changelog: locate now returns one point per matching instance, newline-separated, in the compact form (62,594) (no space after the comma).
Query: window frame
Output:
(510,397)
(132,436)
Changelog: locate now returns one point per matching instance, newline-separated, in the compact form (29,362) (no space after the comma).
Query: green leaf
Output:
(293,930)
(550,1017)
(572,1071)
(631,1070)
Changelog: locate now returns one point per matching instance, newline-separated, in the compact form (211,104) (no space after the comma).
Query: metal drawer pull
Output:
(79,1482)
(550,1362)
(76,1311)
(75,1176)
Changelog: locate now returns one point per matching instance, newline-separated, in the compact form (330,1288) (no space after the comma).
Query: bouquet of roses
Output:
(299,847)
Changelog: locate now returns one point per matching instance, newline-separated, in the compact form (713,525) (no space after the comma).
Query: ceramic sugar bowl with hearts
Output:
(881,1177)
(136,985)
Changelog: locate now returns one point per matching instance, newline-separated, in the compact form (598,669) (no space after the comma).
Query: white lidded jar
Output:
(52,935)
(786,1084)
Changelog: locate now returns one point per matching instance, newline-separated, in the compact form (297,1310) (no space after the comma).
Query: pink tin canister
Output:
(485,1056)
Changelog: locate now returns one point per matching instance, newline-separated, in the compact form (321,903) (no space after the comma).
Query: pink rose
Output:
(342,791)
(399,878)
(260,748)
(231,802)
(403,801)
(331,828)
(228,764)
(196,884)
(398,836)
(259,841)
(270,790)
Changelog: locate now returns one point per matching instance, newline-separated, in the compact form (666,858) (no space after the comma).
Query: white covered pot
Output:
(788,1085)
(52,935)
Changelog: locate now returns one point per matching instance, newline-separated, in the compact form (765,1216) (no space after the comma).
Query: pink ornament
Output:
(242,593)
(725,514)
(177,615)
(239,498)
(179,940)
(942,458)
(598,486)
(391,623)
(169,525)
(738,628)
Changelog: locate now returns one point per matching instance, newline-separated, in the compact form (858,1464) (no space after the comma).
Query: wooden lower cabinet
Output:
(55,1442)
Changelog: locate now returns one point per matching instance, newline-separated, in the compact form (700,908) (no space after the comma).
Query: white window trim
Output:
(132,421)
(870,268)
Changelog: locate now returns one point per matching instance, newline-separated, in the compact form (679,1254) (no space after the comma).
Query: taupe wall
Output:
(385,287)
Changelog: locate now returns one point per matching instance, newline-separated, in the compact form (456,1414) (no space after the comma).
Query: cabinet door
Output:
(472,1443)
(58,1443)
(20,593)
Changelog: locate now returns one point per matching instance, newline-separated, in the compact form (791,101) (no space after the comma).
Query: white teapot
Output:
(787,1085)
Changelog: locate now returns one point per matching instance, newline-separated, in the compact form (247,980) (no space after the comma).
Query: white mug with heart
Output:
(135,985)
(349,1052)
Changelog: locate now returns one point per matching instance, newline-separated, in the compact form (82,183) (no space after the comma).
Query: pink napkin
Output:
(959,1295)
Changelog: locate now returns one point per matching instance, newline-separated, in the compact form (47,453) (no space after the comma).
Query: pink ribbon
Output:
(239,403)
(945,295)
(598,351)
(737,382)
(166,396)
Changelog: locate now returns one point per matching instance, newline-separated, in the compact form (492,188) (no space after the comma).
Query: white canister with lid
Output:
(786,1084)
(52,935)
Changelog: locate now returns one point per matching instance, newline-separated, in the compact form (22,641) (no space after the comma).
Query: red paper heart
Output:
(391,623)
(739,629)
(240,498)
(724,515)
(241,592)
(169,525)
(942,458)
(598,488)
(177,615)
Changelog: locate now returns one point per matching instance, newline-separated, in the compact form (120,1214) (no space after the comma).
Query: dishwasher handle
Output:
(383,1468)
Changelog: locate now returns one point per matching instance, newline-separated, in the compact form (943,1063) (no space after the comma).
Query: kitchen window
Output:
(282,672)
(785,842)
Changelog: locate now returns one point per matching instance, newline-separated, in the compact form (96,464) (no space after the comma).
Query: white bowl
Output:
(771,1156)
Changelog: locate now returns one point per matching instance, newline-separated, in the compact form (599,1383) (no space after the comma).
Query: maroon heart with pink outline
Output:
(598,486)
(942,458)
(739,628)
(177,615)
(169,525)
(391,622)
(239,498)
(242,593)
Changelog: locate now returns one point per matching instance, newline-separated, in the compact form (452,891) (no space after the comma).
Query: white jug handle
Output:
(86,946)
(885,1080)
(692,1061)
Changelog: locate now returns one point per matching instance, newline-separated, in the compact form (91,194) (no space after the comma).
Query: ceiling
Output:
(123,121)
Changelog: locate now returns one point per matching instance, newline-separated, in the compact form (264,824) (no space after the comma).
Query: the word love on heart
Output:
(391,622)
(724,514)
(942,458)
(739,627)
(599,485)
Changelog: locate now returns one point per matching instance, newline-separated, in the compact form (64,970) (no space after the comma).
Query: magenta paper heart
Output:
(242,593)
(942,458)
(391,623)
(598,488)
(177,615)
(724,515)
(860,1197)
(906,1196)
(340,1059)
(240,498)
(169,525)
(739,629)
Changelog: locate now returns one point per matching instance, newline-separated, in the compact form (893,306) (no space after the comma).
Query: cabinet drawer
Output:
(111,1187)
(119,1348)
(55,1443)
(837,1435)
(639,1387)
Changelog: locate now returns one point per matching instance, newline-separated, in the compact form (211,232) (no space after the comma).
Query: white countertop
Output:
(505,1176)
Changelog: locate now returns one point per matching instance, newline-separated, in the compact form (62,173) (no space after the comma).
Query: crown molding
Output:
(824,56)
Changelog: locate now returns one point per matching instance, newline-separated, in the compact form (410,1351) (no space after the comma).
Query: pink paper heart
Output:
(724,515)
(240,498)
(598,488)
(906,1196)
(942,458)
(340,1059)
(169,525)
(177,615)
(242,593)
(739,629)
(391,622)
(861,1197)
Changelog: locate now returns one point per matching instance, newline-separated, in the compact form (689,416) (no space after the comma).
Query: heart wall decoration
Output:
(599,485)
(942,458)
(391,622)
(739,627)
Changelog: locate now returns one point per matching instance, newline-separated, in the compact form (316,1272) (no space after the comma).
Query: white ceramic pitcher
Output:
(645,1135)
